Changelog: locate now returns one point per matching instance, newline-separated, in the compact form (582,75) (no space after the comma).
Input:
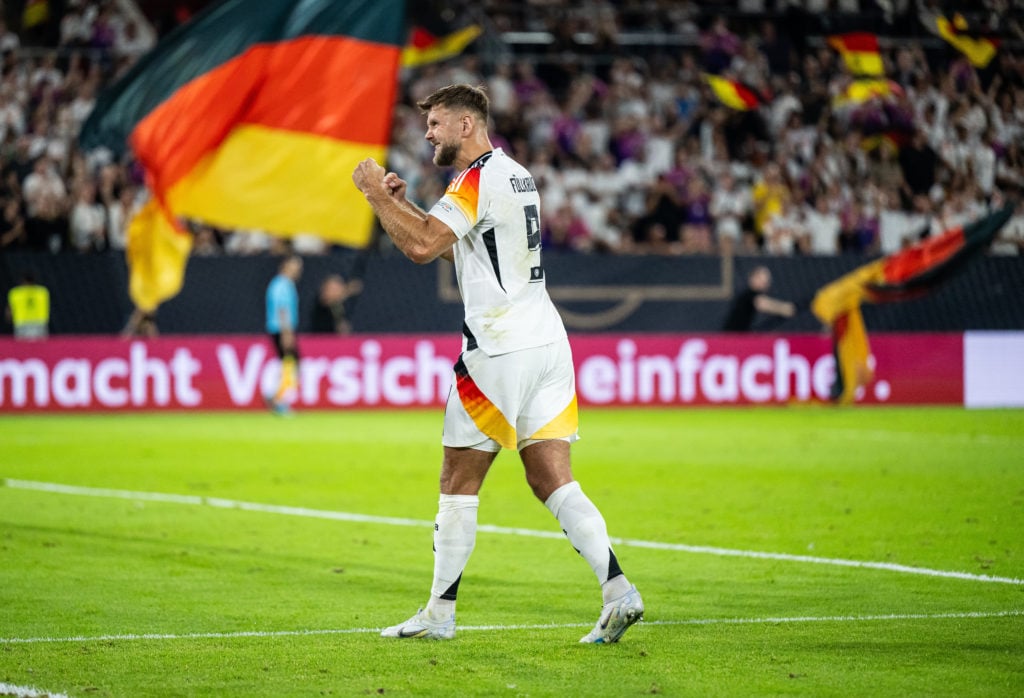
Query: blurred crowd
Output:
(52,195)
(636,154)
(631,149)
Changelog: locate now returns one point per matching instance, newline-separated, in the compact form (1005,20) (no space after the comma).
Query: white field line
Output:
(968,615)
(7,689)
(486,528)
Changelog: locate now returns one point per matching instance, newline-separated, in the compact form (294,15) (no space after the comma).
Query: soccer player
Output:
(282,326)
(514,385)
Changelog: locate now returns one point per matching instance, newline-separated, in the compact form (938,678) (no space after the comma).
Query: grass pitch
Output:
(793,551)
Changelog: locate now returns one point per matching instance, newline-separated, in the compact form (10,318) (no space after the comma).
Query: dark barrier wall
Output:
(595,293)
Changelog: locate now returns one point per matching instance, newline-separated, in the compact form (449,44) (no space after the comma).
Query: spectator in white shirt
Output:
(120,210)
(983,163)
(133,38)
(43,186)
(1010,240)
(822,227)
(46,72)
(783,230)
(75,28)
(898,229)
(88,221)
(9,41)
(12,116)
(730,207)
(502,90)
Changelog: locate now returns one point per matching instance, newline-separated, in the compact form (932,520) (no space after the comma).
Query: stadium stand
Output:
(609,105)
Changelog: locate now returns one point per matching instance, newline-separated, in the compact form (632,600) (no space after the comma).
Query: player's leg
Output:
(549,474)
(462,475)
(289,378)
(550,420)
(550,416)
(289,354)
(463,469)
(468,454)
(286,379)
(547,466)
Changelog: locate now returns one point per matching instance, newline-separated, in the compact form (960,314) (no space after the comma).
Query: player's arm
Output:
(399,193)
(421,237)
(398,188)
(773,306)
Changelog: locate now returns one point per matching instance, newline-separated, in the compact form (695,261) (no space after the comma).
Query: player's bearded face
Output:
(443,134)
(445,153)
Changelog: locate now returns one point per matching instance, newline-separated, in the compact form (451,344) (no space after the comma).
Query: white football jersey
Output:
(494,210)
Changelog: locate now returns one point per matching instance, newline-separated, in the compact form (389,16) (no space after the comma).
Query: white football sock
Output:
(585,527)
(454,538)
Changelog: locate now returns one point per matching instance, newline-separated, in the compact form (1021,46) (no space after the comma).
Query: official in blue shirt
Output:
(282,326)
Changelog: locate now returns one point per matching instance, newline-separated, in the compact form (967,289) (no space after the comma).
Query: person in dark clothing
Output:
(753,300)
(658,229)
(919,164)
(330,314)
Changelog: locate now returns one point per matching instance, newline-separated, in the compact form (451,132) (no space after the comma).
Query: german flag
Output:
(35,12)
(859,51)
(863,90)
(979,50)
(918,269)
(255,120)
(906,274)
(892,139)
(156,252)
(732,93)
(424,47)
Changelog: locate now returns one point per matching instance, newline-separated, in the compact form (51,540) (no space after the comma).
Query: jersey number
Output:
(533,238)
(532,227)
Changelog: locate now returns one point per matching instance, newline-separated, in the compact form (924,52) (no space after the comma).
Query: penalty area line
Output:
(131,637)
(217,502)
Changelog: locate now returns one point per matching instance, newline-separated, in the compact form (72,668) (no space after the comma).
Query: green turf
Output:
(938,489)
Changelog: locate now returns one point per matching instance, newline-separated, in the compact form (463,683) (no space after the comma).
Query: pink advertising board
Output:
(401,371)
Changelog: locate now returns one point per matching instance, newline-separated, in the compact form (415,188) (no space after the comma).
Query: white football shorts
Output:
(512,400)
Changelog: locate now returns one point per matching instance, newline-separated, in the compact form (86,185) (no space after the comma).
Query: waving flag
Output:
(732,93)
(35,12)
(424,47)
(979,50)
(863,90)
(250,119)
(859,51)
(903,275)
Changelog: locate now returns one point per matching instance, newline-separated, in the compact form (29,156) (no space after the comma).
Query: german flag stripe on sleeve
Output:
(464,192)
